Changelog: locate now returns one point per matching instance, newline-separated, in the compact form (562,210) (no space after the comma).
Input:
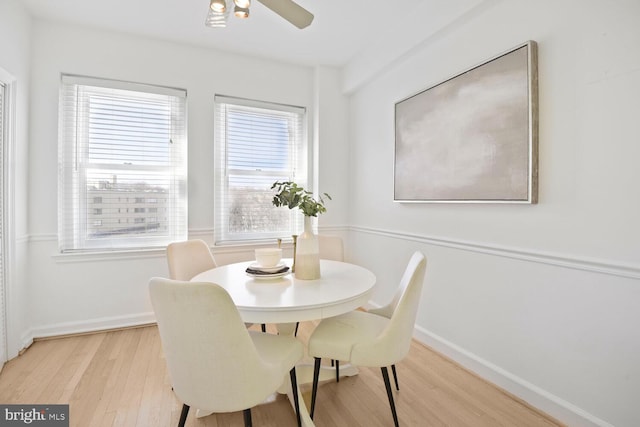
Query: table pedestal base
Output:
(304,374)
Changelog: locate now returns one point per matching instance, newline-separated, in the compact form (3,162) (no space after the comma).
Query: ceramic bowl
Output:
(268,257)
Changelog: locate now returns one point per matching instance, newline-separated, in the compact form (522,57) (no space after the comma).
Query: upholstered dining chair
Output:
(372,340)
(387,311)
(331,247)
(190,257)
(214,362)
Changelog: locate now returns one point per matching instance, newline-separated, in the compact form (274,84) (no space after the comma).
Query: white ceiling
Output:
(340,30)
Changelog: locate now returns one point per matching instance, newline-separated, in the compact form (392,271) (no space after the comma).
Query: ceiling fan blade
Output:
(292,12)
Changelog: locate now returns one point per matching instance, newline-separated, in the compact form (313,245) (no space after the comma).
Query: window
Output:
(120,143)
(257,143)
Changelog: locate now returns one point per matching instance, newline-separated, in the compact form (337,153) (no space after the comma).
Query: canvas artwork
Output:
(473,137)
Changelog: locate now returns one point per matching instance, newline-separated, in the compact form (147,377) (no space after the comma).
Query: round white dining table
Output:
(285,300)
(342,287)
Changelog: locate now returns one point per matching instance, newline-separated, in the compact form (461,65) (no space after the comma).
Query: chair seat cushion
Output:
(335,337)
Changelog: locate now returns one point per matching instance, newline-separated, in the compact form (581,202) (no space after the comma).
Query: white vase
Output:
(307,253)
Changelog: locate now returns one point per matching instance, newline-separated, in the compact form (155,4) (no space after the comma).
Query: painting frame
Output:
(472,138)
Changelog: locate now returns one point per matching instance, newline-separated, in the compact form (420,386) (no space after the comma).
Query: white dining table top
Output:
(342,287)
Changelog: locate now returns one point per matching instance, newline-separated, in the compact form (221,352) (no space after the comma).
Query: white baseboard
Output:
(530,393)
(92,325)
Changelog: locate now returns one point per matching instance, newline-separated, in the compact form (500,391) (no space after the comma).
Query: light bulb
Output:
(218,5)
(243,3)
(241,12)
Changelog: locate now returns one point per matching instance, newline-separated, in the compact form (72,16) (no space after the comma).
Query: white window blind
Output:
(122,165)
(257,143)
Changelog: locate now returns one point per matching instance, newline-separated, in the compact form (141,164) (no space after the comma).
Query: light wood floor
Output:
(119,378)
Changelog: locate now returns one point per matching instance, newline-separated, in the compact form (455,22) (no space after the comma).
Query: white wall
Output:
(541,299)
(332,154)
(72,293)
(15,45)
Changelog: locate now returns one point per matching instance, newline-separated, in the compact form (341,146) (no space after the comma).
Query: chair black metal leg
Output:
(337,371)
(183,415)
(314,389)
(387,384)
(295,333)
(395,376)
(264,327)
(294,390)
(247,417)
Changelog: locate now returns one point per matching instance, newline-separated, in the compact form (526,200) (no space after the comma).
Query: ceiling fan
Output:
(287,9)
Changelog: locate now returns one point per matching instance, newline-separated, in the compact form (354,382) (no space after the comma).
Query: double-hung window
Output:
(257,143)
(122,165)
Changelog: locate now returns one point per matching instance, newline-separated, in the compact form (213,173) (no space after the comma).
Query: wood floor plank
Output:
(92,391)
(119,378)
(17,375)
(61,386)
(133,392)
(153,388)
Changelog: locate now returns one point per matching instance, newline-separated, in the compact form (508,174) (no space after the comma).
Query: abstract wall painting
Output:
(472,138)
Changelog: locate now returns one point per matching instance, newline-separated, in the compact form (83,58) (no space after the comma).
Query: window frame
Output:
(74,218)
(299,152)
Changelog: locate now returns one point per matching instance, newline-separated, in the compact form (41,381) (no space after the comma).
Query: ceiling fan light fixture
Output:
(216,19)
(287,9)
(241,12)
(216,23)
(242,3)
(219,6)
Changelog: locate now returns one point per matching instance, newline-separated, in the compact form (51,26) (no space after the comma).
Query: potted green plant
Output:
(307,255)
(291,195)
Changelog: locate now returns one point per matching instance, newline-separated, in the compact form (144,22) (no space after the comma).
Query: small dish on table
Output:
(257,271)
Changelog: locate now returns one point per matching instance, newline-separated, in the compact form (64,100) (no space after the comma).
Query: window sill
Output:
(111,255)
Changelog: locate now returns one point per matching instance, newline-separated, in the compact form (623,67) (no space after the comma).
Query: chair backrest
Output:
(331,247)
(188,258)
(388,310)
(212,361)
(393,344)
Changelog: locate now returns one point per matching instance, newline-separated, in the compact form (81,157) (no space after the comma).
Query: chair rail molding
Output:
(577,263)
(559,260)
